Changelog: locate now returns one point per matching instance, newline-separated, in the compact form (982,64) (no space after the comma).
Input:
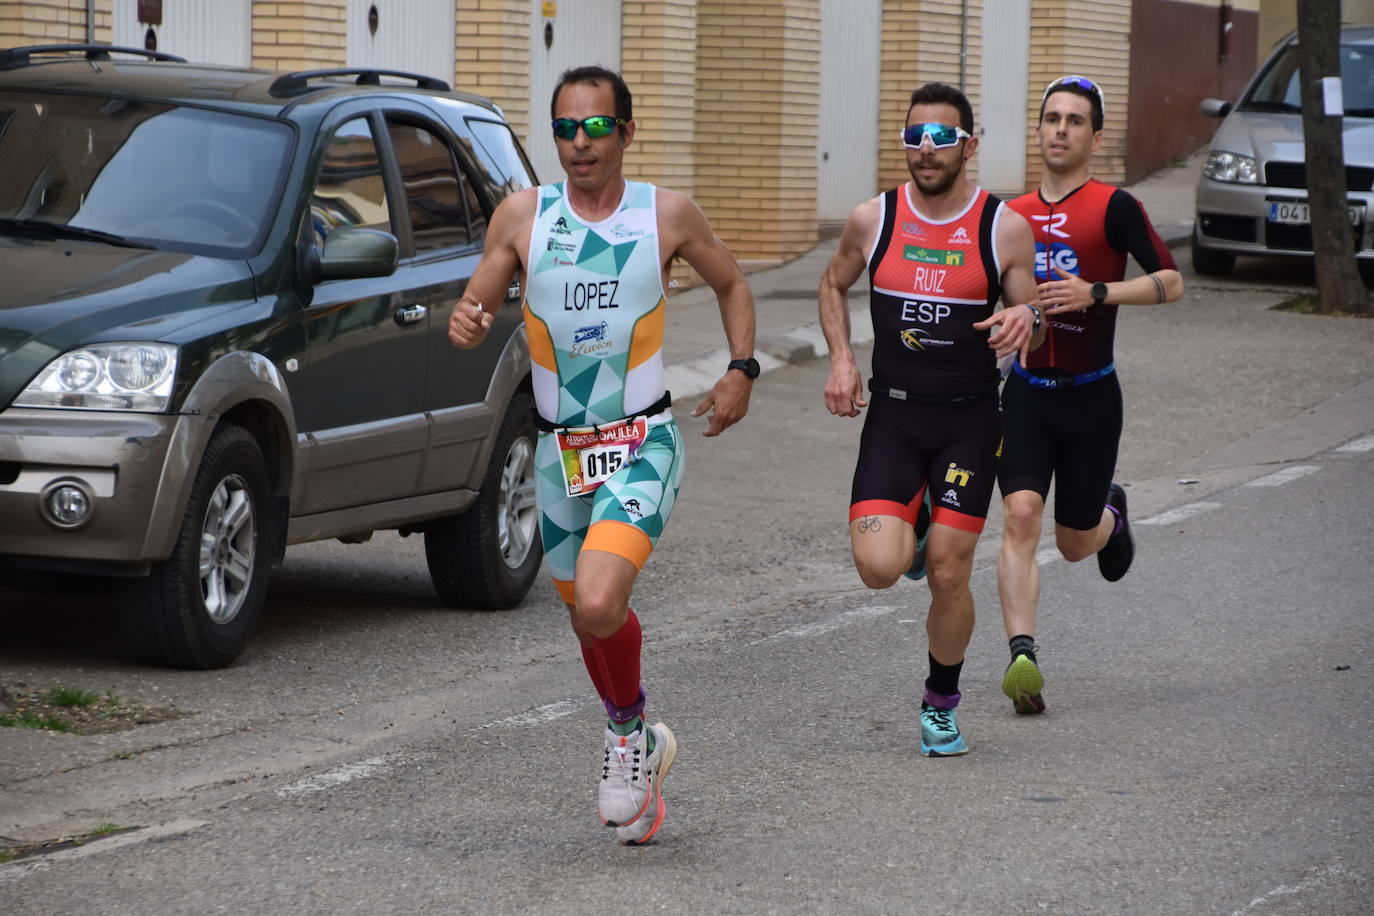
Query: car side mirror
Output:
(350,253)
(1215,108)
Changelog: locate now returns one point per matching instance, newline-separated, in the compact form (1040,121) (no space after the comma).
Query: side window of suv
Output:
(444,210)
(506,168)
(349,190)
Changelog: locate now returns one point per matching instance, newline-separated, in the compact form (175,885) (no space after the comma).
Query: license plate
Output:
(1299,213)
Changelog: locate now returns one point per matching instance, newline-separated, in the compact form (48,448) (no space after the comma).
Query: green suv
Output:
(224,297)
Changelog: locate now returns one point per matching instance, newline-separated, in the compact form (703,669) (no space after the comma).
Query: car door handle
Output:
(410,314)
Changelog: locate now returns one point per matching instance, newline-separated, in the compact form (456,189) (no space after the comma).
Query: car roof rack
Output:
(12,58)
(292,83)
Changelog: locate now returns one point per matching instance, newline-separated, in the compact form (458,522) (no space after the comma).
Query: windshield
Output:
(1278,89)
(172,177)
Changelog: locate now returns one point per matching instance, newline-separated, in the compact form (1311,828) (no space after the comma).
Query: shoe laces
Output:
(623,759)
(938,718)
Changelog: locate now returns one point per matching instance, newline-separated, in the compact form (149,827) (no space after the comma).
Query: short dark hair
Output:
(595,76)
(1094,100)
(944,94)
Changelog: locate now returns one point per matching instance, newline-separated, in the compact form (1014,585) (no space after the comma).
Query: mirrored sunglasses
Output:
(941,135)
(596,126)
(1081,82)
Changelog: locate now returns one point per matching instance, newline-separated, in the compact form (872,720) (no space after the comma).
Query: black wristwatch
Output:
(749,367)
(1099,292)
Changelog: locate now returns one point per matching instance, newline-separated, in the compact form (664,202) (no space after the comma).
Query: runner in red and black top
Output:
(940,252)
(1063,403)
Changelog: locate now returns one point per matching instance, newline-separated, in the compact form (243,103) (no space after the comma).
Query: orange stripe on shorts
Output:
(621,539)
(969,523)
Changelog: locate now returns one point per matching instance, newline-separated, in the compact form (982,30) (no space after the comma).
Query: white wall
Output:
(205,31)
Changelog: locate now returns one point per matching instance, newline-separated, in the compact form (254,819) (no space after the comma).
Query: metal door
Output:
(205,31)
(574,33)
(847,143)
(1006,50)
(416,36)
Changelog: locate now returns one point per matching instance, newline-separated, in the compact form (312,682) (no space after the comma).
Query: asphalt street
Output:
(1206,747)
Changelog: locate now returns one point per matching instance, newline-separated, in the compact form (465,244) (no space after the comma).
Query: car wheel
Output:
(199,607)
(488,557)
(1211,263)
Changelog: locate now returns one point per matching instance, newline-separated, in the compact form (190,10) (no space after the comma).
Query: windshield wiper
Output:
(1266,105)
(58,230)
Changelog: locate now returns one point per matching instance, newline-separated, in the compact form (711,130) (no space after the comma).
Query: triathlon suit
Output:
(1063,409)
(934,414)
(594,313)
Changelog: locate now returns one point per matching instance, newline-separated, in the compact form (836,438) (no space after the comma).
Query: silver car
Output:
(1252,196)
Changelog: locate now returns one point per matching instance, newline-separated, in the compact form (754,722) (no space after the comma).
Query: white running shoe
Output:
(644,829)
(630,775)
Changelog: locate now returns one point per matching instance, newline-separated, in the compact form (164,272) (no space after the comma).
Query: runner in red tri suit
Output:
(1062,402)
(940,252)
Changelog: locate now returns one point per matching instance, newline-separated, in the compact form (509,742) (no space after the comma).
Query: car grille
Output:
(1296,238)
(1232,228)
(1294,175)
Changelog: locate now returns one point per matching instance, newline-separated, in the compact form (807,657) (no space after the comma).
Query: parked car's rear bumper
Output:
(131,465)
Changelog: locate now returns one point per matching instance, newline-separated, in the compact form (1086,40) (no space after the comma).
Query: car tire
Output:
(487,557)
(200,606)
(1210,263)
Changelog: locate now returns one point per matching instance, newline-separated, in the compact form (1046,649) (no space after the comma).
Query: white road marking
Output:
(1179,514)
(13,871)
(1287,475)
(1318,878)
(537,716)
(1359,445)
(339,775)
(834,623)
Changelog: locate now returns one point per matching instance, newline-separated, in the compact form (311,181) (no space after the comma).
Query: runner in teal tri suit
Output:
(593,254)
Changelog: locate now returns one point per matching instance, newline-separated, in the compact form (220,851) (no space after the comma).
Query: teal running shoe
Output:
(1022,684)
(917,571)
(940,735)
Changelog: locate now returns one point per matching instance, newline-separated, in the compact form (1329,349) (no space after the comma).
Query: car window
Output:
(444,210)
(349,190)
(1357,79)
(1280,88)
(500,157)
(181,178)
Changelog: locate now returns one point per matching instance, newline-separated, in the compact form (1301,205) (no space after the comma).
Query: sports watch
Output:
(749,367)
(1035,325)
(1099,292)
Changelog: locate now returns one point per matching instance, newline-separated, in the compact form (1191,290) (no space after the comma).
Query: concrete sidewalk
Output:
(788,329)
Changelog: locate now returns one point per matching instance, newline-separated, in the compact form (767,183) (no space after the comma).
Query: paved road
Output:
(1206,747)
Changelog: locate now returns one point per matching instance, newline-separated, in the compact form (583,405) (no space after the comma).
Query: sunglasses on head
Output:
(595,126)
(941,135)
(1080,82)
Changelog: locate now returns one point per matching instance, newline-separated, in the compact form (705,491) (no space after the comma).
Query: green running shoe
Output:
(1023,683)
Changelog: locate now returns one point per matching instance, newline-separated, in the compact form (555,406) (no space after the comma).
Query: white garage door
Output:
(846,150)
(205,31)
(415,36)
(571,33)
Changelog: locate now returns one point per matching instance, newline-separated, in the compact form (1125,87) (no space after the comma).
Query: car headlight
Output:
(1224,166)
(130,376)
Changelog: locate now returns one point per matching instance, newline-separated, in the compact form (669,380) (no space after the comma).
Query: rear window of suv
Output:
(179,178)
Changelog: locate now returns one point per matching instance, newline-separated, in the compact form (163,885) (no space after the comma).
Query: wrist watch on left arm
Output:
(1035,325)
(749,367)
(1099,292)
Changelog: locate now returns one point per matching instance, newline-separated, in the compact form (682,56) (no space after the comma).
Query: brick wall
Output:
(300,34)
(658,50)
(756,106)
(1092,38)
(493,43)
(40,22)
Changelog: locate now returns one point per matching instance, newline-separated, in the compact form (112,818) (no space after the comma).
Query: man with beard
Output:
(940,252)
(592,253)
(1063,405)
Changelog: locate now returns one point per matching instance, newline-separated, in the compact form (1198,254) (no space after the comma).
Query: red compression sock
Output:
(620,658)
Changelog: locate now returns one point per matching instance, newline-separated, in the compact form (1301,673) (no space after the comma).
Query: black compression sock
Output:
(944,679)
(1022,645)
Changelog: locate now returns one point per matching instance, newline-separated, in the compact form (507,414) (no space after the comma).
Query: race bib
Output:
(592,455)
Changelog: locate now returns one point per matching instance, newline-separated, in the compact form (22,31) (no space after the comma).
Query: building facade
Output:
(777,117)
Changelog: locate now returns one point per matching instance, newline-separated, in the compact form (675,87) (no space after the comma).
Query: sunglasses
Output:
(596,126)
(942,136)
(1080,82)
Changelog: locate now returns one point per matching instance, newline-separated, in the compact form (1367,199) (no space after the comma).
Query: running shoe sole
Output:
(955,748)
(1022,684)
(635,833)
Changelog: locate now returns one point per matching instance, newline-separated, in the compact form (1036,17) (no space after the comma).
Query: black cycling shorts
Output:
(1068,434)
(907,444)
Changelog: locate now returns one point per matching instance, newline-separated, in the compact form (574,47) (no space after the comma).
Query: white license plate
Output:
(1299,213)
